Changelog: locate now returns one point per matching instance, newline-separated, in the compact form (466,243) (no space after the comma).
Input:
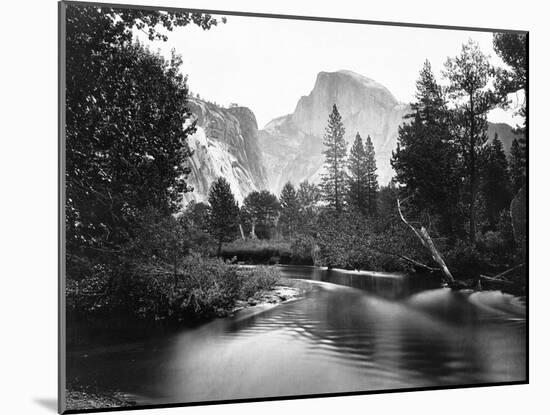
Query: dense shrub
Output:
(257,251)
(202,288)
(303,249)
(464,260)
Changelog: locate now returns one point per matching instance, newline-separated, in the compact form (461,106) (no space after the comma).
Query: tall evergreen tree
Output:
(495,184)
(469,74)
(425,161)
(224,213)
(290,210)
(333,181)
(357,177)
(516,165)
(308,195)
(512,49)
(372,177)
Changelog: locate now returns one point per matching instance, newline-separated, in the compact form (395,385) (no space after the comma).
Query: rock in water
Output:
(225,144)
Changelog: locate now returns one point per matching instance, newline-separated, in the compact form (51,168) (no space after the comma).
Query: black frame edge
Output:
(61,347)
(291,17)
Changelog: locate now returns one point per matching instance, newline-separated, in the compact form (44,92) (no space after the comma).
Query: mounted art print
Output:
(259,207)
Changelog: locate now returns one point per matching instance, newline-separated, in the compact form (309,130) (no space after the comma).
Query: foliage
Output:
(256,280)
(425,160)
(290,210)
(357,176)
(196,220)
(371,176)
(209,287)
(469,75)
(258,251)
(261,210)
(224,213)
(495,183)
(499,244)
(334,178)
(304,249)
(362,181)
(516,165)
(126,124)
(512,49)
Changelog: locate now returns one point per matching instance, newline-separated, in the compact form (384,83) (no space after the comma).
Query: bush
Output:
(257,251)
(465,261)
(302,250)
(499,245)
(254,280)
(202,288)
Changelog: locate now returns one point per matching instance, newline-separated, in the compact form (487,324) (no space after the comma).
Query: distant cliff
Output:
(292,144)
(225,144)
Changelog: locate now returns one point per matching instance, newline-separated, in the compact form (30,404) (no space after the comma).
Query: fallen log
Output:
(428,243)
(504,274)
(495,280)
(406,258)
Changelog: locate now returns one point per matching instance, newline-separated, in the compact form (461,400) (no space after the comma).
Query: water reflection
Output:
(352,332)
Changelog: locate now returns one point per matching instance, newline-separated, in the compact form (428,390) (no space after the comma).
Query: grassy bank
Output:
(264,251)
(201,288)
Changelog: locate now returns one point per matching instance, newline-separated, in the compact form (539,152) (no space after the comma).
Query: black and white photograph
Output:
(259,207)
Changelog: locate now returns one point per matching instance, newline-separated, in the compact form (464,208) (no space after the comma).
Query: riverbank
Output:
(83,400)
(285,290)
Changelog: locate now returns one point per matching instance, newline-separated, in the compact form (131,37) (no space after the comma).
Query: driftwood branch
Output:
(408,259)
(428,243)
(505,274)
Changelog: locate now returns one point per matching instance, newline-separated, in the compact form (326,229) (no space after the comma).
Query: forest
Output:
(132,252)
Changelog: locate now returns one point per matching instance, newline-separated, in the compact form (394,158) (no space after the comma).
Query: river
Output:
(353,331)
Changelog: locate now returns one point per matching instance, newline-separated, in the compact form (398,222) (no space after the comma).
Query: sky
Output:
(268,64)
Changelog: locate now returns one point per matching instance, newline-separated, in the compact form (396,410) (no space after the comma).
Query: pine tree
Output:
(516,163)
(309,195)
(495,184)
(334,179)
(224,213)
(425,161)
(290,210)
(469,75)
(357,177)
(512,49)
(372,177)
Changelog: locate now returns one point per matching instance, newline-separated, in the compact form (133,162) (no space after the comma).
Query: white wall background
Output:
(28,228)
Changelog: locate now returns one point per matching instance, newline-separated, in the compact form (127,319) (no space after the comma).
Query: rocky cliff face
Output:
(292,144)
(225,144)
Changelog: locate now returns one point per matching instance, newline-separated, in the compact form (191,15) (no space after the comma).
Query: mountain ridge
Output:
(292,144)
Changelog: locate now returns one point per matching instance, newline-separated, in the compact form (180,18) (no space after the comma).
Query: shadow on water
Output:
(352,332)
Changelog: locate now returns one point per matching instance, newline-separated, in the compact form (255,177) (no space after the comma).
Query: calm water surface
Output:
(352,332)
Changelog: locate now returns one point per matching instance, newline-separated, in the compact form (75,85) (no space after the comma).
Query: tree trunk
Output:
(242,231)
(219,248)
(175,273)
(428,243)
(473,172)
(472,214)
(253,231)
